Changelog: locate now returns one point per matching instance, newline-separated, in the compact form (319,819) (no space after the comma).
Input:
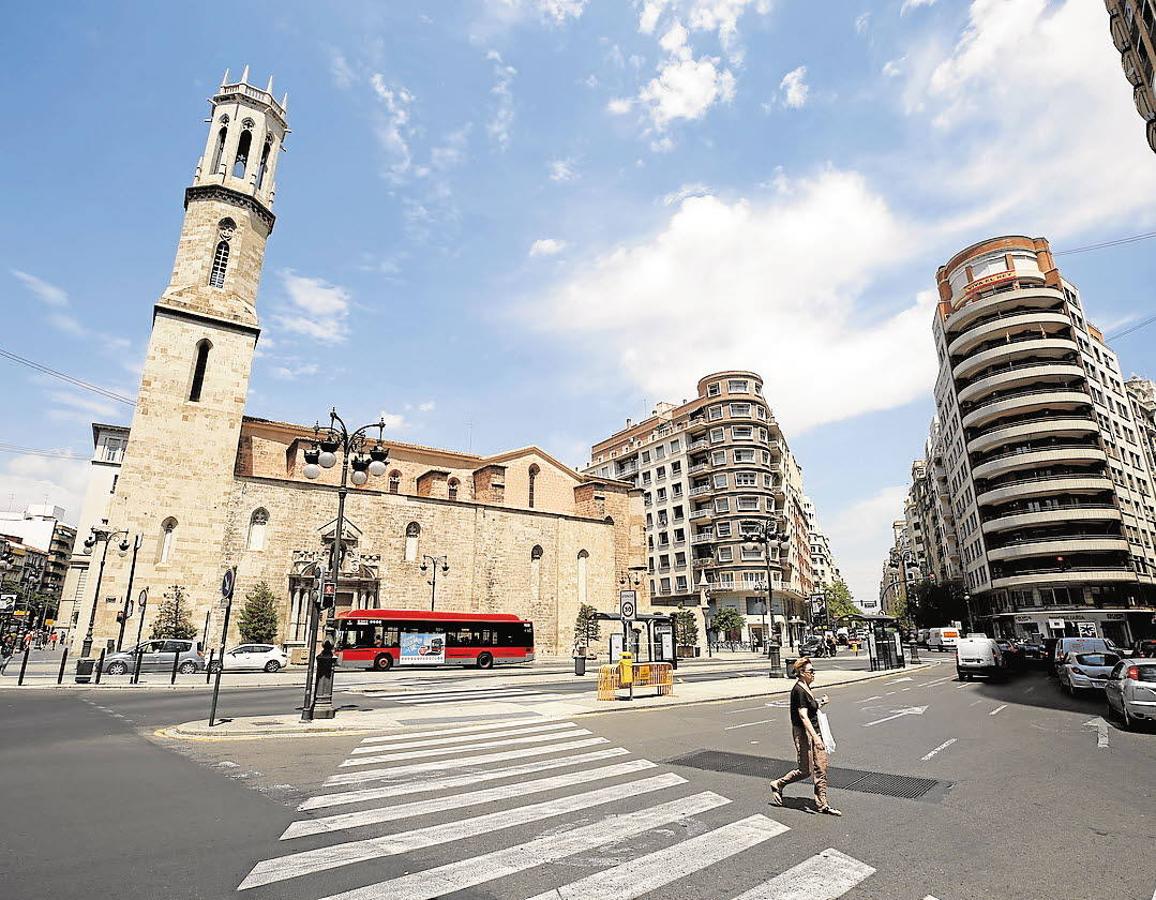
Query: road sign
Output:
(228,581)
(627,604)
(128,608)
(48,623)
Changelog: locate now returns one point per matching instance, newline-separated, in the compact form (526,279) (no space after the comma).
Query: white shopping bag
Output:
(825,733)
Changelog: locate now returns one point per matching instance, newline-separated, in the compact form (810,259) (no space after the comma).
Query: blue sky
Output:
(526,220)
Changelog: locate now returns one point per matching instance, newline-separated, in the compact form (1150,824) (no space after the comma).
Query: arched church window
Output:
(583,558)
(452,489)
(534,470)
(199,367)
(220,264)
(412,531)
(394,481)
(257,523)
(242,158)
(535,573)
(220,150)
(264,164)
(168,537)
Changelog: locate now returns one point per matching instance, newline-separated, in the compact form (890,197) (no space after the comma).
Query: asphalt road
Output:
(1026,801)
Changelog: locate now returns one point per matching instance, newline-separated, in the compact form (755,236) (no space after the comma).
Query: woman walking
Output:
(809,746)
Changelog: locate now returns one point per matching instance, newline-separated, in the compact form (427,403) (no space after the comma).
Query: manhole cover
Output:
(866,782)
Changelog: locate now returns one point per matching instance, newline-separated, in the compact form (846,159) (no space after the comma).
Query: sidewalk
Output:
(357,722)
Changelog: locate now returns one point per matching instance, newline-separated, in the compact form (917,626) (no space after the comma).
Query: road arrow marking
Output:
(1101,727)
(942,746)
(997,709)
(899,713)
(897,680)
(869,699)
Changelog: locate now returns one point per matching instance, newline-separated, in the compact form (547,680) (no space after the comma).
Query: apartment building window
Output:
(763,436)
(645,456)
(740,409)
(646,478)
(751,553)
(664,585)
(742,432)
(725,554)
(662,495)
(713,390)
(680,584)
(680,560)
(722,504)
(718,458)
(766,457)
(660,474)
(662,518)
(112,449)
(649,520)
(761,412)
(676,489)
(675,446)
(768,481)
(679,535)
(678,514)
(745,479)
(735,386)
(664,561)
(715,412)
(719,480)
(717,435)
(744,456)
(747,504)
(676,468)
(660,452)
(646,498)
(723,529)
(750,579)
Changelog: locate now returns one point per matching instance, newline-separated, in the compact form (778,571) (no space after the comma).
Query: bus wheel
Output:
(485,661)
(383,663)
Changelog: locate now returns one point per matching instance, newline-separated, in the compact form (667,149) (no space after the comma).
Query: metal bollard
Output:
(63,660)
(176,661)
(24,664)
(136,667)
(100,664)
(209,668)
(579,665)
(775,655)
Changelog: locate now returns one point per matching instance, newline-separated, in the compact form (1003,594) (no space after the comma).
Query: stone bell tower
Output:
(177,475)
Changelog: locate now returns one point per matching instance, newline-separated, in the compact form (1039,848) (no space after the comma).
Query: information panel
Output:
(422,649)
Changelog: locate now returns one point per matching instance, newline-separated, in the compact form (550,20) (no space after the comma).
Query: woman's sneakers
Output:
(829,811)
(776,794)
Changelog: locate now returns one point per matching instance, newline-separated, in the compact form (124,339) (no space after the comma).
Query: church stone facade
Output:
(207,487)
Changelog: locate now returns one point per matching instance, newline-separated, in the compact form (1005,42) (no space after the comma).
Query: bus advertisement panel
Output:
(383,638)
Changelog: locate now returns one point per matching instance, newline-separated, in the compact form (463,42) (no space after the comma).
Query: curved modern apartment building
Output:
(1049,485)
(709,468)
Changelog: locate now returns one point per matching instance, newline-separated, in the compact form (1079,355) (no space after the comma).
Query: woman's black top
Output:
(801,699)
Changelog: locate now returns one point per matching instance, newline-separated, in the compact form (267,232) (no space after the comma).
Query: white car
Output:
(1086,671)
(253,657)
(1131,691)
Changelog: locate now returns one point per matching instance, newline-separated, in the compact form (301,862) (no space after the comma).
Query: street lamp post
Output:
(126,611)
(101,535)
(434,562)
(704,592)
(767,534)
(323,455)
(967,603)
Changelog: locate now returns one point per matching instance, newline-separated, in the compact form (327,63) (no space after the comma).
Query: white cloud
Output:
(291,372)
(794,88)
(58,316)
(393,125)
(547,247)
(909,5)
(49,294)
(686,89)
(26,479)
(502,119)
(860,536)
(394,421)
(560,10)
(452,152)
(427,406)
(562,170)
(862,23)
(893,68)
(317,309)
(824,357)
(340,70)
(504,13)
(619,106)
(687,190)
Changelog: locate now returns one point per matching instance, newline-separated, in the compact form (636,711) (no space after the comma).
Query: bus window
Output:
(459,637)
(484,637)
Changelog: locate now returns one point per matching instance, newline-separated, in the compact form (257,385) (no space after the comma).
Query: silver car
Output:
(157,656)
(1131,691)
(1086,671)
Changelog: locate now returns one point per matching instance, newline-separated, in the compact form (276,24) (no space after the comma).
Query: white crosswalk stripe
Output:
(391,798)
(397,773)
(825,876)
(308,862)
(505,697)
(472,798)
(425,785)
(482,745)
(480,869)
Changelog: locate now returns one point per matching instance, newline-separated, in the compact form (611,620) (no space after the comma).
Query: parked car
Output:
(942,639)
(253,657)
(1145,649)
(1086,671)
(978,656)
(1013,655)
(1068,646)
(1131,691)
(921,636)
(157,656)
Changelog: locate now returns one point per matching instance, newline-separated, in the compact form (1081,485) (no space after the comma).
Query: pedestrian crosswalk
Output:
(527,801)
(423,697)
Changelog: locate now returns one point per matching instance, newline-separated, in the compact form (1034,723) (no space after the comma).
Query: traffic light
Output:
(328,595)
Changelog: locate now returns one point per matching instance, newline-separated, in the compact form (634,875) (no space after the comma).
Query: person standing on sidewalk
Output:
(809,747)
(7,648)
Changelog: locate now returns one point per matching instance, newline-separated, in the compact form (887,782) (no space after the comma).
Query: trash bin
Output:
(775,655)
(579,665)
(84,669)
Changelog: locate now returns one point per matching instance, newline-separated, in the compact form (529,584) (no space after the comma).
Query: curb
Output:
(199,730)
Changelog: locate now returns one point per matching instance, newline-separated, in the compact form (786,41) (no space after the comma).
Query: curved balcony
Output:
(1038,297)
(1012,350)
(1092,512)
(1143,97)
(1086,575)
(1032,459)
(1027,402)
(1011,323)
(1119,32)
(1032,373)
(1049,426)
(1060,546)
(1041,487)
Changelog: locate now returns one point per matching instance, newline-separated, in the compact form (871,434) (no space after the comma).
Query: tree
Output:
(258,623)
(932,604)
(685,628)
(839,602)
(728,619)
(172,617)
(587,629)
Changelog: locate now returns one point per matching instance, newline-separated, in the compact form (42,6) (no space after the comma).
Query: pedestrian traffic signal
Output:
(328,595)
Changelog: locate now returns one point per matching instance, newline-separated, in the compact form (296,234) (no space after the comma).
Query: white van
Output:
(942,639)
(978,655)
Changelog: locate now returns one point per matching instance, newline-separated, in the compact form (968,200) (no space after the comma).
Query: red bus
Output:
(383,638)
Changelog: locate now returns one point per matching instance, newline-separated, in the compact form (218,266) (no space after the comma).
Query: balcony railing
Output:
(699,491)
(699,444)
(707,538)
(966,409)
(700,514)
(698,467)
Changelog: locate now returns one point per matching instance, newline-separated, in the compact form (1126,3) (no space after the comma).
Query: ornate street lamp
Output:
(365,460)
(101,534)
(768,535)
(434,562)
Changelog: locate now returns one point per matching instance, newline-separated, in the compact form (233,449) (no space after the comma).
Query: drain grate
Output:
(866,782)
